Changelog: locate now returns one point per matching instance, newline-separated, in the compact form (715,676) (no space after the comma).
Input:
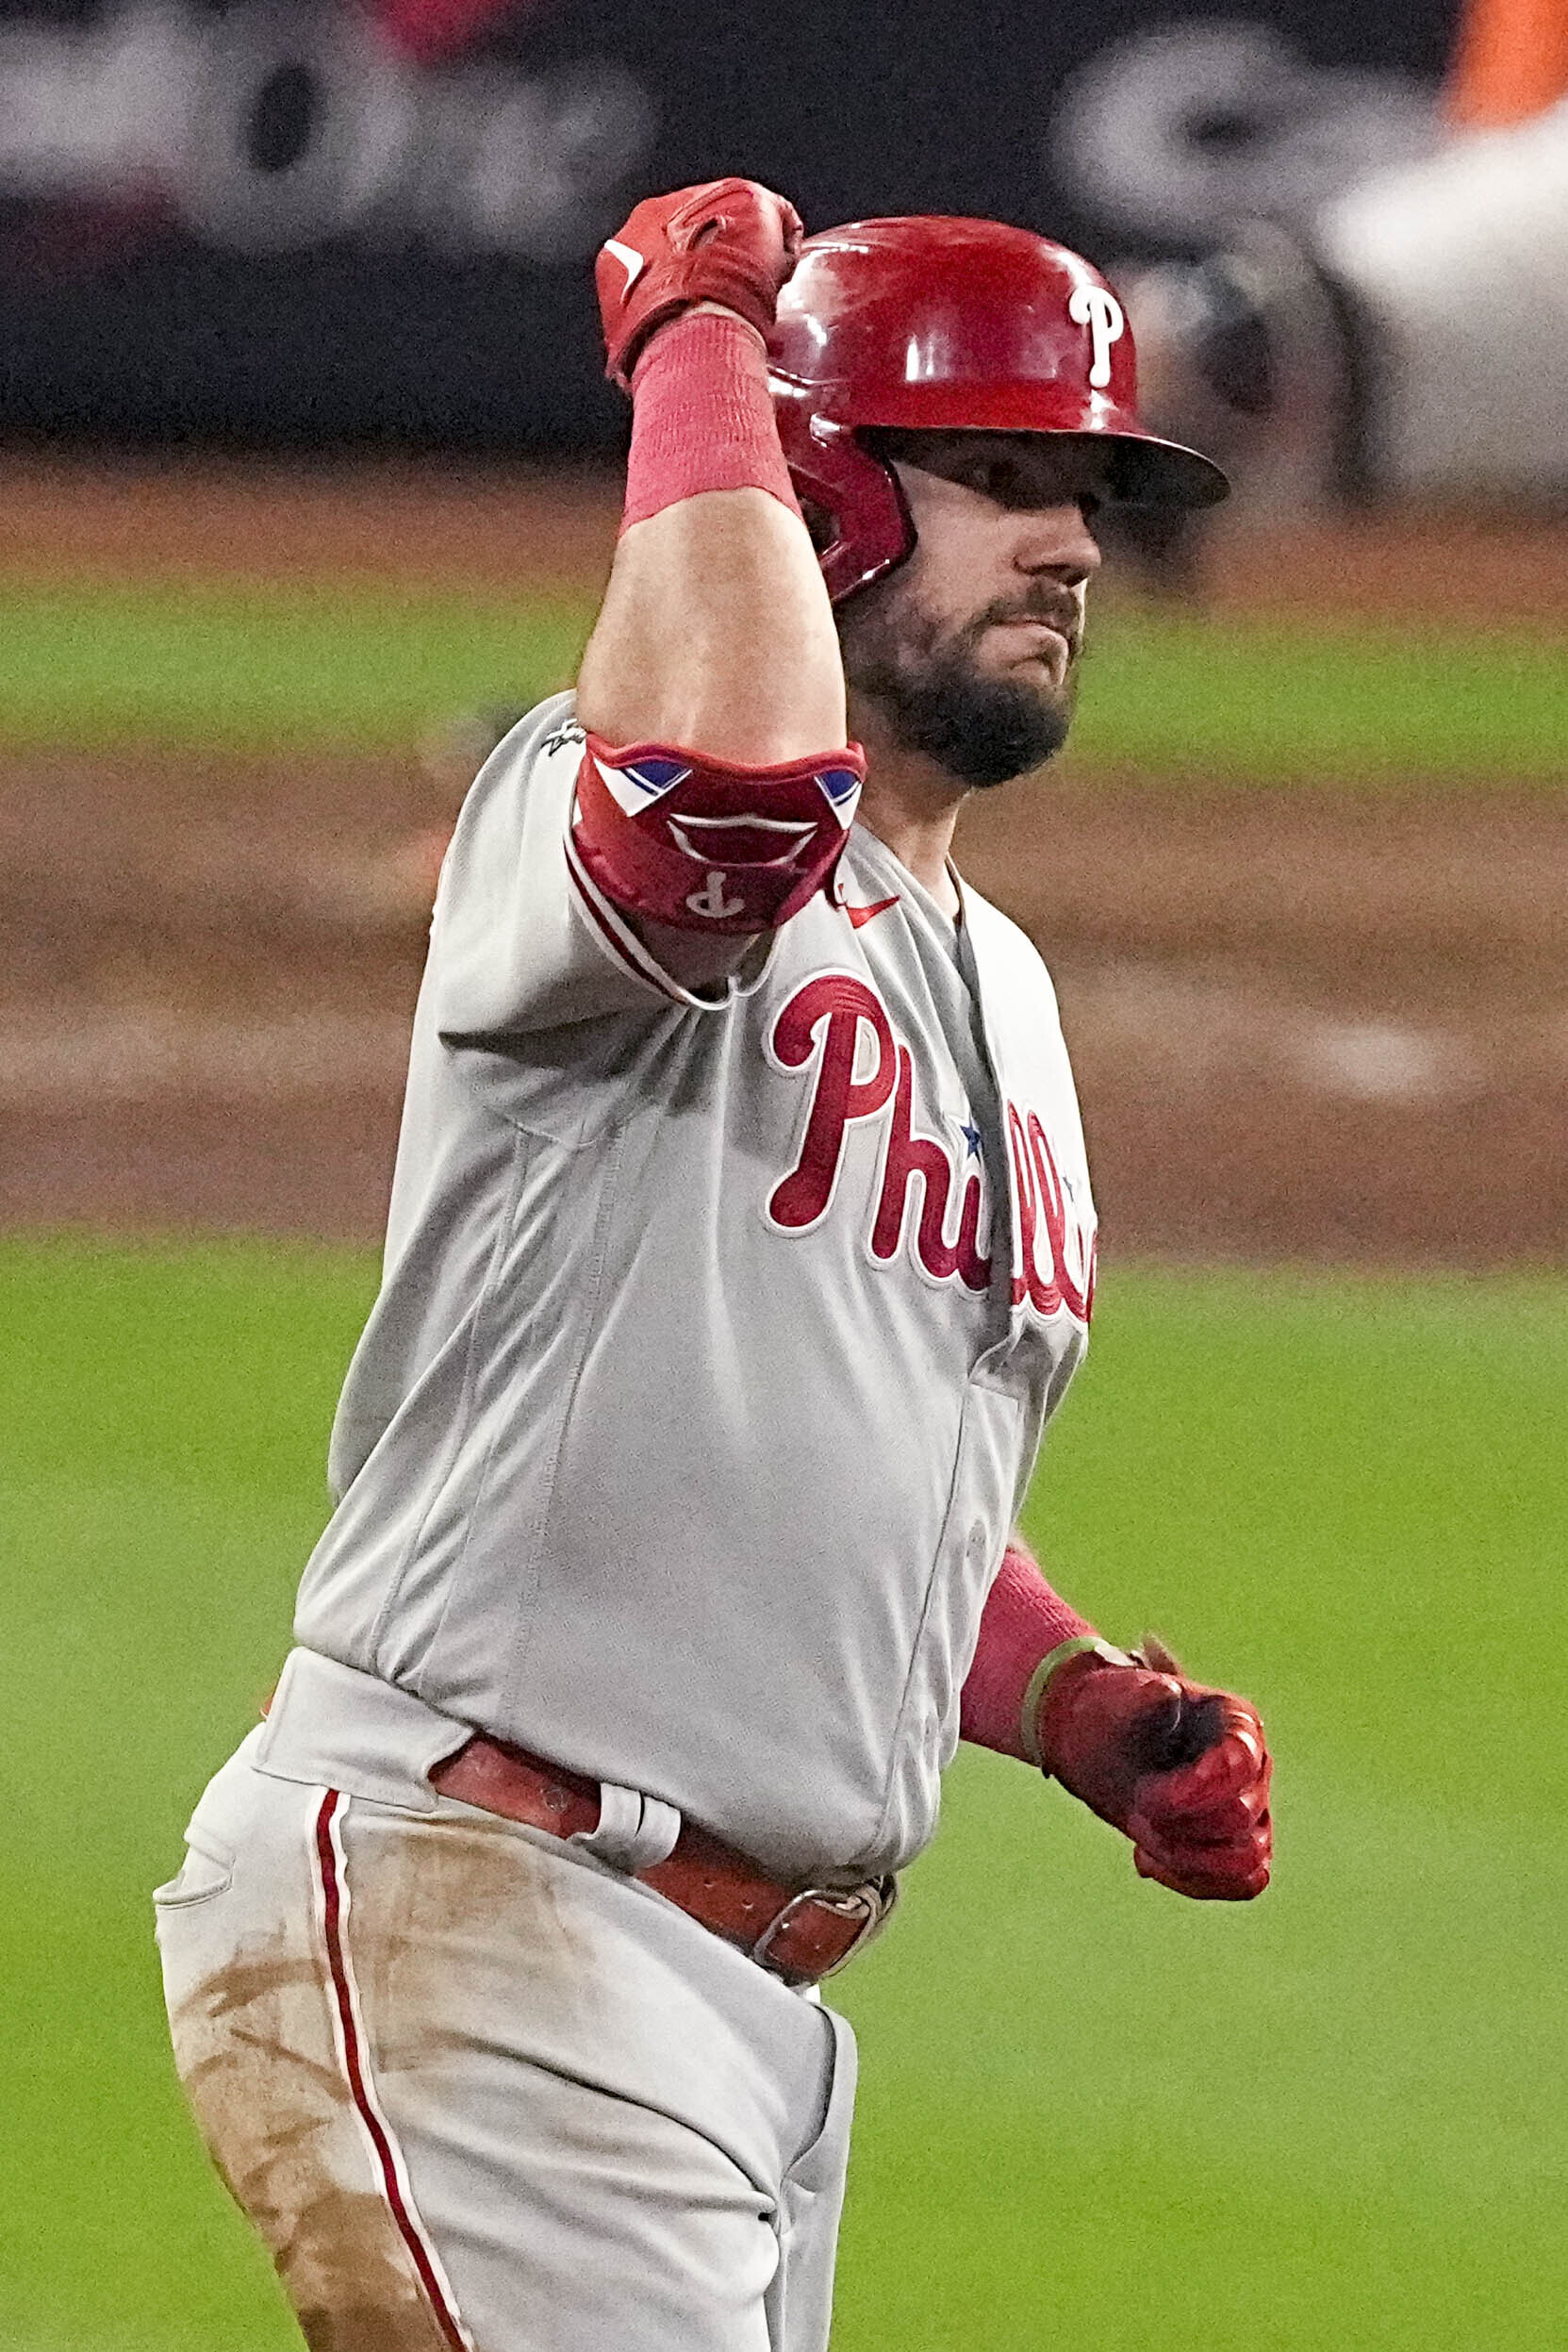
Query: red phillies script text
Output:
(863,1072)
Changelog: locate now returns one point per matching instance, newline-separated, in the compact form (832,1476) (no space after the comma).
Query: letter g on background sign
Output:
(1172,132)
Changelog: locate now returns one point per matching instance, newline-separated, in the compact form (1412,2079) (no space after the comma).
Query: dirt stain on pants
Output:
(255,2048)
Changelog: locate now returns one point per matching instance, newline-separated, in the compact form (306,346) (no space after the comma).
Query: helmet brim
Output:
(1144,468)
(1148,471)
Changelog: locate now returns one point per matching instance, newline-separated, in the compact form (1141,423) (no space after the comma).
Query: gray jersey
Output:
(716,1337)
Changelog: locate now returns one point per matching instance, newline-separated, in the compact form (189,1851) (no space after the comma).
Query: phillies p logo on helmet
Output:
(1097,307)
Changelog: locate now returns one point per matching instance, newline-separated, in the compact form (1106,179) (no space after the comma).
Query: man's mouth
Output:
(1053,643)
(1059,616)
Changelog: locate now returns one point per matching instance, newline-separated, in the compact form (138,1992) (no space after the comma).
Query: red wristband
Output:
(1024,1622)
(703,417)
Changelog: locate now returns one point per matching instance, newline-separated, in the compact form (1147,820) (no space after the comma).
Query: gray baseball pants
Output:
(477,2090)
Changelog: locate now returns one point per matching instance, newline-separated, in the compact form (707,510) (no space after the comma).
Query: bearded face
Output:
(969,651)
(979,725)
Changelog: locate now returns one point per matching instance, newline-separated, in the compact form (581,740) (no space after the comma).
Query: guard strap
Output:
(703,845)
(1028,1715)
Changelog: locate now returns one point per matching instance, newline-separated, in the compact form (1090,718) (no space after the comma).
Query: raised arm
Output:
(717,785)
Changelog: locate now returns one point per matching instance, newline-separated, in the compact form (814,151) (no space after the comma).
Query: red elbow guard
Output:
(705,845)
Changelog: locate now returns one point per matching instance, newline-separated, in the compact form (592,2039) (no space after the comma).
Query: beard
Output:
(978,729)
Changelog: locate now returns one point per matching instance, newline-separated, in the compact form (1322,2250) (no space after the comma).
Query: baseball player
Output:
(740,1245)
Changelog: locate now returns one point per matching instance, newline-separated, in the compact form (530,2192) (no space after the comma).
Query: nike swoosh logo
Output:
(859,915)
(633,262)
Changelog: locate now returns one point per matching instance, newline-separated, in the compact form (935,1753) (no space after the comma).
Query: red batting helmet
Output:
(940,326)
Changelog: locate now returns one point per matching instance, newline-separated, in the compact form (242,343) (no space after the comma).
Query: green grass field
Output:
(1165,694)
(1092,2116)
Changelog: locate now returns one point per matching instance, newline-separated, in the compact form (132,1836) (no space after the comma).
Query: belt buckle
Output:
(874,1901)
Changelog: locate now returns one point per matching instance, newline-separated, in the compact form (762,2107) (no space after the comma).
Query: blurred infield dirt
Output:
(1305,1026)
(78,519)
(1325,1025)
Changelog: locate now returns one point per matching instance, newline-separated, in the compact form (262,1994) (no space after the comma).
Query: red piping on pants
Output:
(334,1904)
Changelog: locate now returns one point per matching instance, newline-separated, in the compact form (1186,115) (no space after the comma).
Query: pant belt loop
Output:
(634,1831)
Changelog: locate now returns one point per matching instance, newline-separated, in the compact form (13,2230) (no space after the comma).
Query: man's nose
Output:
(1058,539)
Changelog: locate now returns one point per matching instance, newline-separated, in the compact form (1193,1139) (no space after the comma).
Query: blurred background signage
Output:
(291,220)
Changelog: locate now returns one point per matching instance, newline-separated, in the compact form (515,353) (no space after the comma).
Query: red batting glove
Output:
(729,241)
(1183,1770)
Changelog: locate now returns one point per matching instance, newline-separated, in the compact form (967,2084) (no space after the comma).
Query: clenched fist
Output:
(728,241)
(1183,1770)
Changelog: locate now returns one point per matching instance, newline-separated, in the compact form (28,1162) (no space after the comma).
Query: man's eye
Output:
(978,473)
(1004,481)
(995,478)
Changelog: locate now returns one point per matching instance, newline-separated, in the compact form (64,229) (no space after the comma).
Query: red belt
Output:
(800,1934)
